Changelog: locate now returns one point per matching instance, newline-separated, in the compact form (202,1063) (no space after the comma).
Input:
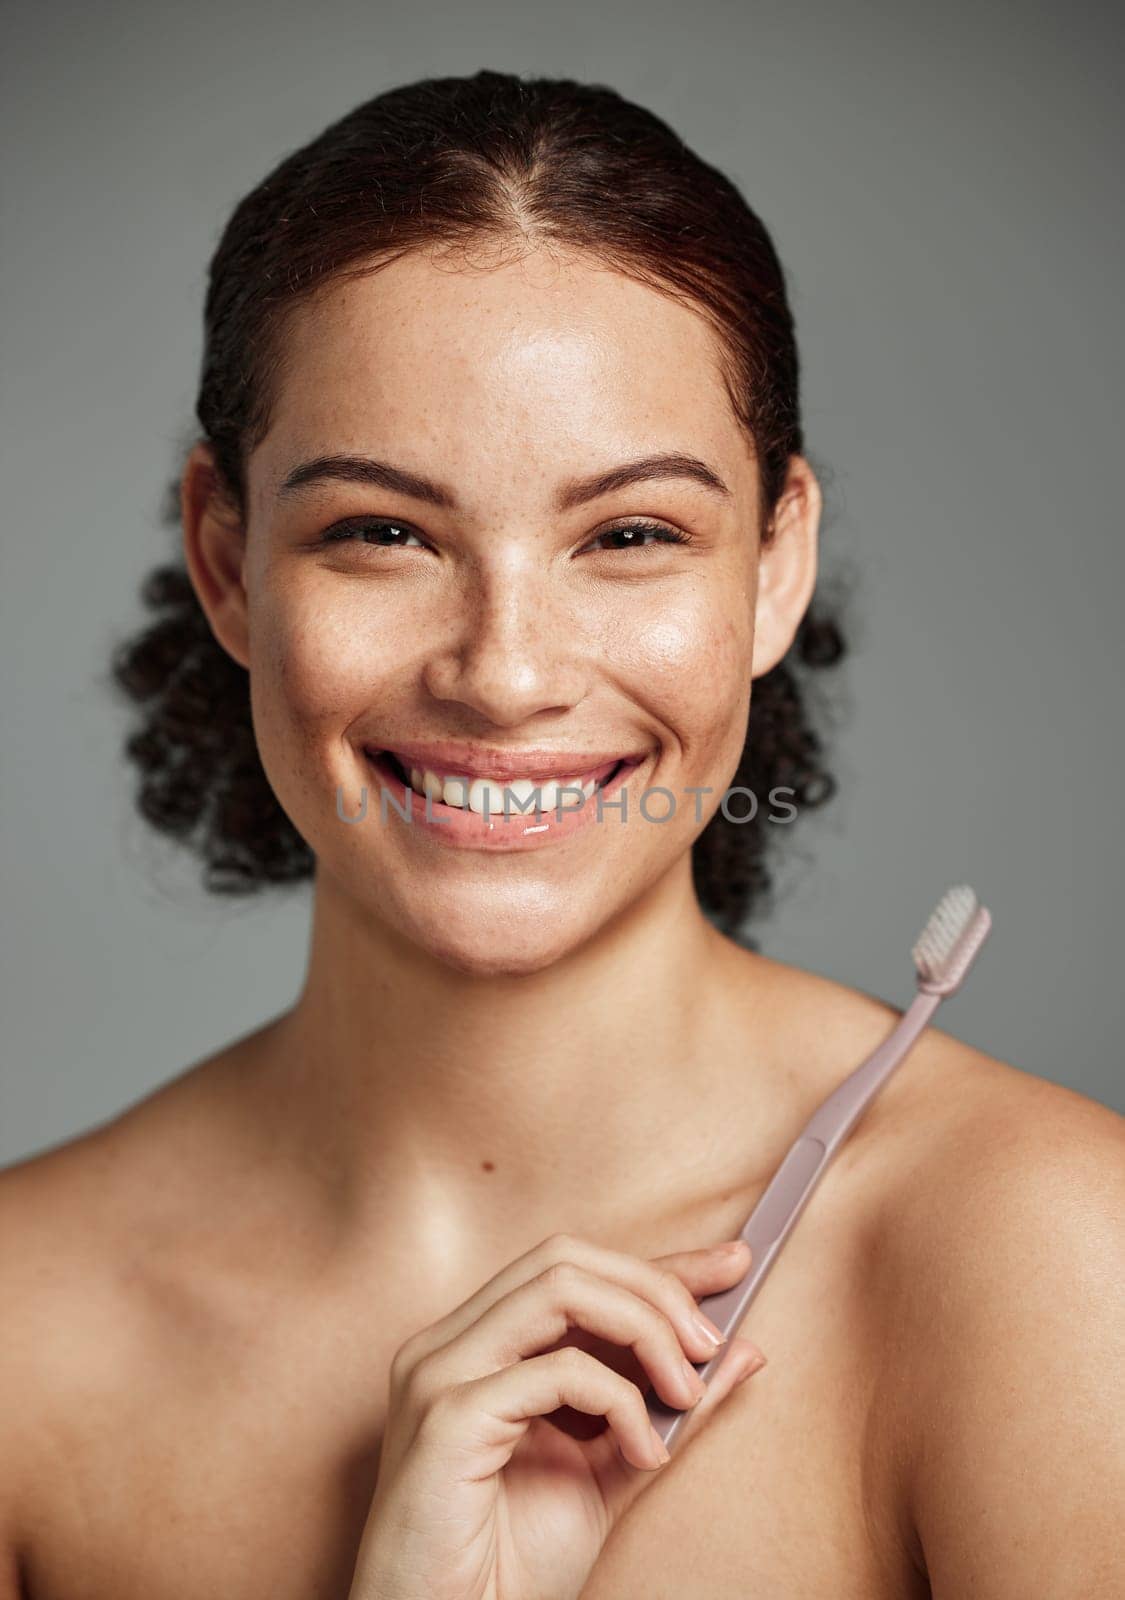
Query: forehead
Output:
(546,359)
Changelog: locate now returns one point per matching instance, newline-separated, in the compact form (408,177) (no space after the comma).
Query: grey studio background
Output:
(942,186)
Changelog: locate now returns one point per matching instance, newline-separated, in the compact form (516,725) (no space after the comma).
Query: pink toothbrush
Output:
(943,954)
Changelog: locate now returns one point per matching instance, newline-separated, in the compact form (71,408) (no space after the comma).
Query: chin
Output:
(485,941)
(496,964)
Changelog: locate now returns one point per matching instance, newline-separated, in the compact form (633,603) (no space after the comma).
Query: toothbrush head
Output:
(948,944)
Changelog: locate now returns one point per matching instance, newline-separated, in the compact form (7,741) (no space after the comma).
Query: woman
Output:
(502,476)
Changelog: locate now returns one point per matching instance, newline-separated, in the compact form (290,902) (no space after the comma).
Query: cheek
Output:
(316,662)
(696,666)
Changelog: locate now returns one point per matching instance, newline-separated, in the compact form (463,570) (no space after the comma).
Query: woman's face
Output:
(509,618)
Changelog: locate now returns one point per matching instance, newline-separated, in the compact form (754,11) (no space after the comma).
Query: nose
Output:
(511,648)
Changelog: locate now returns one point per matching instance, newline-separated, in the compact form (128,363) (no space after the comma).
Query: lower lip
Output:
(465,829)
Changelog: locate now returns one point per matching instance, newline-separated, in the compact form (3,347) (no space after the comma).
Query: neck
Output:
(626,1085)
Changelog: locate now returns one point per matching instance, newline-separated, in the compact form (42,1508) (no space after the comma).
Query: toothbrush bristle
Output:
(948,944)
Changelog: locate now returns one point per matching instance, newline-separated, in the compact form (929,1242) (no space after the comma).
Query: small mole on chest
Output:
(488,1166)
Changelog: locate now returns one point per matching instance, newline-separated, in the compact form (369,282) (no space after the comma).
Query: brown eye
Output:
(634,532)
(382,531)
(346,532)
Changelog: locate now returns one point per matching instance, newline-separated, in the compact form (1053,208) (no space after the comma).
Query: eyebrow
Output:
(382,475)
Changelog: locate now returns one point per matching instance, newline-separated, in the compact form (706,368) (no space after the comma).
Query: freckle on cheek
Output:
(668,641)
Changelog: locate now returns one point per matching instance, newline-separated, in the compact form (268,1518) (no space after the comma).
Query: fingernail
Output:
(707,1328)
(733,1248)
(660,1447)
(755,1366)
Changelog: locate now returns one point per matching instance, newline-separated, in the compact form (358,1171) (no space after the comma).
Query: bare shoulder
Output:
(62,1338)
(1001,1264)
(1006,1182)
(991,1207)
(992,1196)
(968,1146)
(84,1227)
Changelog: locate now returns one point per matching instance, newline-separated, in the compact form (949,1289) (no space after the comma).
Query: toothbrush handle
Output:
(837,1115)
(788,1191)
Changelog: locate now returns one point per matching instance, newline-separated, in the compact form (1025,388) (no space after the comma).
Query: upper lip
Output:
(450,759)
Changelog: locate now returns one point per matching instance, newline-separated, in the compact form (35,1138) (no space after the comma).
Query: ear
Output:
(215,552)
(787,566)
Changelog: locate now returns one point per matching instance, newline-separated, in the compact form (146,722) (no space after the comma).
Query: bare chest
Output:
(247,1467)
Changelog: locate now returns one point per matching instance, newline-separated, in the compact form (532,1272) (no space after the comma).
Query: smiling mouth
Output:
(392,761)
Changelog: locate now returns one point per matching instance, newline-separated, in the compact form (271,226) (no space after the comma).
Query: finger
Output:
(670,1287)
(539,1313)
(741,1361)
(484,1420)
(710,1269)
(619,1485)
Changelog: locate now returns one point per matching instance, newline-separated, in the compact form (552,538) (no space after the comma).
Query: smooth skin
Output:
(479,1497)
(204,1298)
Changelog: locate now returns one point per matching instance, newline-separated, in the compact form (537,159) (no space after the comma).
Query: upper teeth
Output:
(452,792)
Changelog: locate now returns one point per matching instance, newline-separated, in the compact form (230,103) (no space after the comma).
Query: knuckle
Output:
(420,1382)
(558,1246)
(631,1393)
(560,1277)
(662,1326)
(671,1286)
(571,1362)
(402,1363)
(675,1293)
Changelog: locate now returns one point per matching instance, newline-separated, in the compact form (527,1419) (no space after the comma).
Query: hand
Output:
(480,1497)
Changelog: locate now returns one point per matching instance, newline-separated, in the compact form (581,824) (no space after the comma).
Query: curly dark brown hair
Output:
(457,163)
